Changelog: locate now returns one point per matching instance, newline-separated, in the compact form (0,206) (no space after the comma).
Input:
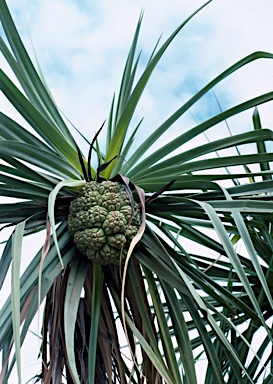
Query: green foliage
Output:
(198,286)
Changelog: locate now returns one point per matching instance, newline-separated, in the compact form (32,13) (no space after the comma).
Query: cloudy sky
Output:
(82,46)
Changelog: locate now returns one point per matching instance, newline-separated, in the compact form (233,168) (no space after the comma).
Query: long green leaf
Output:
(16,249)
(147,324)
(181,333)
(128,75)
(50,274)
(198,165)
(39,157)
(96,305)
(211,320)
(142,149)
(25,71)
(47,131)
(250,248)
(30,276)
(5,262)
(207,344)
(178,160)
(125,118)
(163,326)
(190,134)
(72,298)
(21,170)
(260,145)
(11,130)
(162,369)
(234,259)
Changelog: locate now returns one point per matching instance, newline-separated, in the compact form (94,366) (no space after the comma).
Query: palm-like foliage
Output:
(180,305)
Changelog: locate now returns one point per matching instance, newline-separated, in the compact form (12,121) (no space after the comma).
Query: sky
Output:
(82,45)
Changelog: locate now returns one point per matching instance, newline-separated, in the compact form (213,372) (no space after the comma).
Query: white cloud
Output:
(82,48)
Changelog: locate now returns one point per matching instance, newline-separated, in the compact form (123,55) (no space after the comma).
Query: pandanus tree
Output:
(116,268)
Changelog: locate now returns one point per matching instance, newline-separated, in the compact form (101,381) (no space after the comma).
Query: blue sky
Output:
(82,47)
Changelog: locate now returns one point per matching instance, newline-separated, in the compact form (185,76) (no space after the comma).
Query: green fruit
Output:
(99,221)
